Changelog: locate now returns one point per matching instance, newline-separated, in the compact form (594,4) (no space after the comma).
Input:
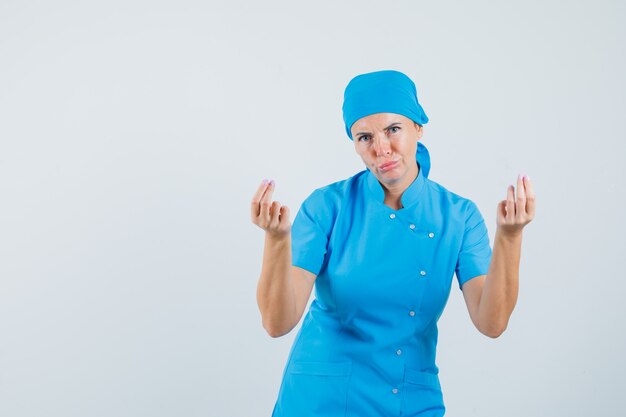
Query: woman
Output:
(381,247)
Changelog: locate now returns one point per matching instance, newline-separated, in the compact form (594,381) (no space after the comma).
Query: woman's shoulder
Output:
(445,195)
(325,203)
(336,192)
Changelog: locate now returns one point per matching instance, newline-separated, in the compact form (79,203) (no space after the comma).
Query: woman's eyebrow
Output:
(388,127)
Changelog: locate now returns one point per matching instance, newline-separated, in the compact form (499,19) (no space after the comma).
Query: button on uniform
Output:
(399,352)
(411,313)
(412,226)
(431,234)
(422,273)
(395,390)
(392,216)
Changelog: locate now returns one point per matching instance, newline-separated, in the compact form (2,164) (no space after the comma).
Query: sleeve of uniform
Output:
(310,231)
(475,254)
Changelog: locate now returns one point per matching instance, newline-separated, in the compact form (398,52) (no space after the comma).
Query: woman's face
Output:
(382,138)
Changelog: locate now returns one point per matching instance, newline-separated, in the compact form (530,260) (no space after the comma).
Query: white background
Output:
(133,135)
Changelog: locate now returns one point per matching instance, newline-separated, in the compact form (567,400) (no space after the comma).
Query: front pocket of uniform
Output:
(316,389)
(422,392)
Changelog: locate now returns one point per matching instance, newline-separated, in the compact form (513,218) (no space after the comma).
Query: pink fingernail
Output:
(272,182)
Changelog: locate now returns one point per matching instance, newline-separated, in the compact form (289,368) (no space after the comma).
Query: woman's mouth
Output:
(388,165)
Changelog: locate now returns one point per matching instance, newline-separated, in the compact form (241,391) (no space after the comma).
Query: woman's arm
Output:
(283,290)
(491,298)
(275,293)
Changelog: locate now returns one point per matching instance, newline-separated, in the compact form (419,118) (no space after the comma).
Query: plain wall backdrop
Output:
(133,135)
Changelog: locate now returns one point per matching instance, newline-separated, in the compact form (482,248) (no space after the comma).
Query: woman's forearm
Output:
(275,292)
(501,286)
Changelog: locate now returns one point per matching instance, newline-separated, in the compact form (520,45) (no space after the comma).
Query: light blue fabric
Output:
(367,345)
(386,91)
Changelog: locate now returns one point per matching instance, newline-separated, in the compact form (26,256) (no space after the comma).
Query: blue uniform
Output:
(367,344)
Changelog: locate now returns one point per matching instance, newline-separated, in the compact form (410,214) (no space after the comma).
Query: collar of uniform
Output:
(409,197)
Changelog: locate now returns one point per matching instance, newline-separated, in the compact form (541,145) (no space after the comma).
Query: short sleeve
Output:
(475,254)
(310,232)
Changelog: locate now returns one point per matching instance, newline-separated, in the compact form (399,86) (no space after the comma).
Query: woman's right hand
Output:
(270,215)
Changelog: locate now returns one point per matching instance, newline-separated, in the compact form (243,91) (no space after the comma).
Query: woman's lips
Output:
(387,165)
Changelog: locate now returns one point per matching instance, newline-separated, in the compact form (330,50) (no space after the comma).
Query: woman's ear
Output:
(420,131)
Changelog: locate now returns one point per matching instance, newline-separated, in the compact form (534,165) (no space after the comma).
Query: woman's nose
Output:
(381,146)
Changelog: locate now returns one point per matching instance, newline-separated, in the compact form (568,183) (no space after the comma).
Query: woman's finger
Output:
(256,199)
(284,215)
(501,212)
(520,200)
(530,198)
(267,196)
(266,203)
(275,215)
(510,203)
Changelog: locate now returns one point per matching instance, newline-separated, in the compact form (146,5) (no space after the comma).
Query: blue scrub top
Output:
(367,344)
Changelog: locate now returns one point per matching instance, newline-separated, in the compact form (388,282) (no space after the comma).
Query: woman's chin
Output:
(389,177)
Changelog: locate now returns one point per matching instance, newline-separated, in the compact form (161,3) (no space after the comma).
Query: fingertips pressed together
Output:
(261,195)
(267,214)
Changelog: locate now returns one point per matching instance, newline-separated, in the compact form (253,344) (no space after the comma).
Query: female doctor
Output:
(381,247)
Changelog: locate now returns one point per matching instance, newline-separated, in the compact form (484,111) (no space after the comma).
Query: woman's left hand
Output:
(516,212)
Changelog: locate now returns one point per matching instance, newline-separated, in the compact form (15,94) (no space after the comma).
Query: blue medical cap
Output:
(386,91)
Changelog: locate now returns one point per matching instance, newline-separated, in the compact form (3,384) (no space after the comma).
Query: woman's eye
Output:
(395,127)
(362,137)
